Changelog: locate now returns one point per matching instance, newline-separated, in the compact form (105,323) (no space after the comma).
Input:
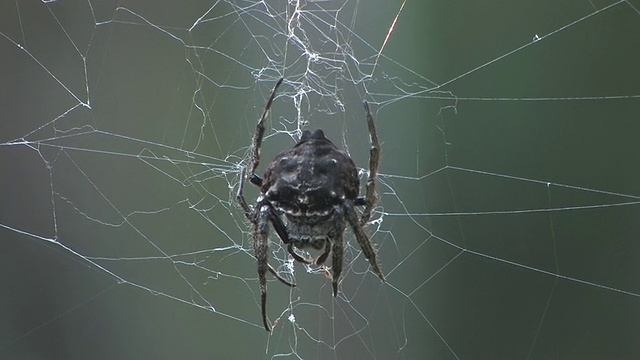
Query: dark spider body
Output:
(315,187)
(310,179)
(306,183)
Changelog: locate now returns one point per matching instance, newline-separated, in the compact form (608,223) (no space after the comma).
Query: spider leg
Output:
(335,242)
(256,180)
(325,254)
(248,213)
(336,261)
(282,280)
(281,230)
(263,213)
(256,142)
(363,239)
(296,256)
(278,225)
(371,198)
(260,243)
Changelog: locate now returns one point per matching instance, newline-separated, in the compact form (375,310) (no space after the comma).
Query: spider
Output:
(315,187)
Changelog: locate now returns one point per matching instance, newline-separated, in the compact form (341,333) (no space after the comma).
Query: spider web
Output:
(507,226)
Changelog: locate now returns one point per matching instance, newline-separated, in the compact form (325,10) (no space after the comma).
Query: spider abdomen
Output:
(310,179)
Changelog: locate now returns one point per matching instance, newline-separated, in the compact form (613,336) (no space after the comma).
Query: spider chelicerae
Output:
(315,187)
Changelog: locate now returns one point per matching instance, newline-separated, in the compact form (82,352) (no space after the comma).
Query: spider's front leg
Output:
(256,142)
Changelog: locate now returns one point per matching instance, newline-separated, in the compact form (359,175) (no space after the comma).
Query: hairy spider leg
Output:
(260,248)
(362,238)
(260,219)
(325,254)
(371,198)
(256,142)
(337,249)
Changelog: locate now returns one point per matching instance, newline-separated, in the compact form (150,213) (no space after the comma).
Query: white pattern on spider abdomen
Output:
(314,231)
(309,185)
(310,179)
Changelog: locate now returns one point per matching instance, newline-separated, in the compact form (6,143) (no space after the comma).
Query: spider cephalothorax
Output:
(315,187)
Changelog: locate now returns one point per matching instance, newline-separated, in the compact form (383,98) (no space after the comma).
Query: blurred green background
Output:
(509,179)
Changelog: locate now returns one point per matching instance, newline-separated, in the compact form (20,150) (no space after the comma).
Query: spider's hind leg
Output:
(362,238)
(260,248)
(371,198)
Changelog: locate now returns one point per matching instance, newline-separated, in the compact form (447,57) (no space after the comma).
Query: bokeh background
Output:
(507,225)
